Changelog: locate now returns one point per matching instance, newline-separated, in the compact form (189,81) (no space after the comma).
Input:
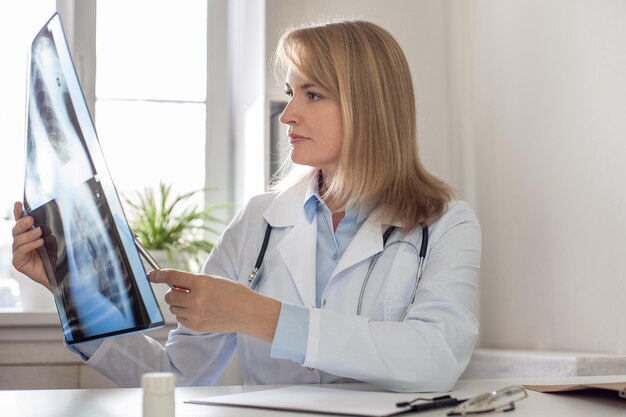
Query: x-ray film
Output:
(99,283)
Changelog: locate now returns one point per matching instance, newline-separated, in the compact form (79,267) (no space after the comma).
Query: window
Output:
(151,77)
(152,115)
(19,23)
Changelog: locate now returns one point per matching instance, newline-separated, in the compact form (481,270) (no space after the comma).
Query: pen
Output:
(437,402)
(151,261)
(445,402)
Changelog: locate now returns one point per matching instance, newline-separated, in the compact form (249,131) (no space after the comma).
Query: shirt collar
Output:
(312,200)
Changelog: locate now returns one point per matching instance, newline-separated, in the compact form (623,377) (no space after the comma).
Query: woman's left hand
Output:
(214,304)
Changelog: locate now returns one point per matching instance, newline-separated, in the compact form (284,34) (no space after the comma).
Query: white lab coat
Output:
(428,351)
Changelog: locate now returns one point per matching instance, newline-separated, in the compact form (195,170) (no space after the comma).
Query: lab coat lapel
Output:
(297,249)
(366,243)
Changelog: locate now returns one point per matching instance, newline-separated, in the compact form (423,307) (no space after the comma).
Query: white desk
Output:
(128,402)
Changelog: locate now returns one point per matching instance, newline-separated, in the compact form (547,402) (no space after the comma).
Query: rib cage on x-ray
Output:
(84,263)
(49,118)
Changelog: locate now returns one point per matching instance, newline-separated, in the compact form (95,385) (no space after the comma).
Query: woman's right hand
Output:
(26,240)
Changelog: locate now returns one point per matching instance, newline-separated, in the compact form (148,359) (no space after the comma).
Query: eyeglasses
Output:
(501,400)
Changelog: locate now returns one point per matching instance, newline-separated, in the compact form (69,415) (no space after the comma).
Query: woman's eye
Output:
(313,96)
(288,93)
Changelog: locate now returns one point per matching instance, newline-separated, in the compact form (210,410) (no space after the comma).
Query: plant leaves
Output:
(174,224)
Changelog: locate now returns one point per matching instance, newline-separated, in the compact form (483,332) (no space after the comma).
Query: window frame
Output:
(79,20)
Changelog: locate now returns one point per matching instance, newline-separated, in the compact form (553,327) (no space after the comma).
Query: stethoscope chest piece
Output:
(257,271)
(254,276)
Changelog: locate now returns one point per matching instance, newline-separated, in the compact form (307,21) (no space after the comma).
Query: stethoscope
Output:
(256,273)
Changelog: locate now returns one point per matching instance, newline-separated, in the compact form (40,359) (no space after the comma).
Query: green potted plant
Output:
(174,225)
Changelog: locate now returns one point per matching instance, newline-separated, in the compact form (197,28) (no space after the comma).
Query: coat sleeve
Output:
(195,358)
(429,350)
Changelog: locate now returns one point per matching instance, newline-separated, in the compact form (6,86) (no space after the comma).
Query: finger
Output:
(23,252)
(157,276)
(178,299)
(26,238)
(184,321)
(153,277)
(173,277)
(22,225)
(179,312)
(18,210)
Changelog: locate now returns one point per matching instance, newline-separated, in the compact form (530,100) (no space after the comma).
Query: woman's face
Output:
(313,120)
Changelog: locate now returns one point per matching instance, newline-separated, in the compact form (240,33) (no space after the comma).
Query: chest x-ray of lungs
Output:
(99,283)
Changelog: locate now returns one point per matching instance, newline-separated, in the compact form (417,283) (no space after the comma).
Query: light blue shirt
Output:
(291,336)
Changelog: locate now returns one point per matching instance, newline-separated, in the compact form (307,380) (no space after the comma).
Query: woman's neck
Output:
(338,213)
(337,217)
(321,189)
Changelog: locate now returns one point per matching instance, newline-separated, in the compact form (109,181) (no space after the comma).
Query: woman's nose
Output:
(289,115)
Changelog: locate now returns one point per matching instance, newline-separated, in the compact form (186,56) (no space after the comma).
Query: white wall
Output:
(538,95)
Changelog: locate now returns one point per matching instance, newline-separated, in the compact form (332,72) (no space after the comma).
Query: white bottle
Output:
(158,394)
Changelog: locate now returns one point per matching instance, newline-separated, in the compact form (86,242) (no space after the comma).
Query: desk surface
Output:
(128,402)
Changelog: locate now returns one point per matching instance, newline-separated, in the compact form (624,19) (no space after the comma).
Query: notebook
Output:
(98,280)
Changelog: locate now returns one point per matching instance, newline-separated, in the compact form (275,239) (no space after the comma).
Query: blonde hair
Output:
(364,68)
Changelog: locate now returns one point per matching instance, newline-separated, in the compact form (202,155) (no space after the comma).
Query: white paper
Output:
(316,399)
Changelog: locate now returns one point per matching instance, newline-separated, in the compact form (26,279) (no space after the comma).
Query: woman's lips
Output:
(293,139)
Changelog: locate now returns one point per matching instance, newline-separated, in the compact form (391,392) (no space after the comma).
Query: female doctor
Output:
(358,266)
